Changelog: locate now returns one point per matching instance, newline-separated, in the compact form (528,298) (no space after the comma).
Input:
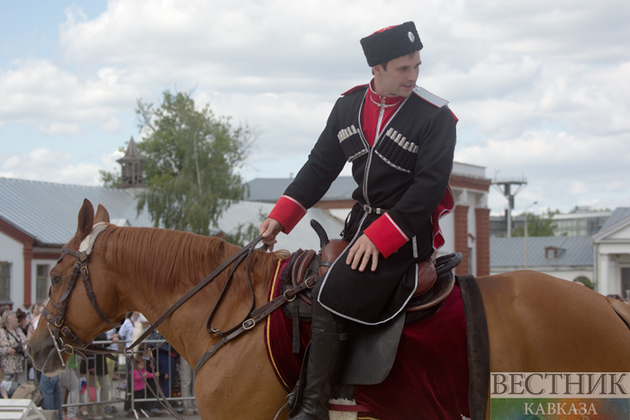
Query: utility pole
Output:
(527,208)
(505,187)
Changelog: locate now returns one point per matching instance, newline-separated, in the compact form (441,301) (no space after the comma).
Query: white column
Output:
(604,274)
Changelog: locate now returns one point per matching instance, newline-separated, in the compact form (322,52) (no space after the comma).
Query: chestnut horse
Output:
(535,322)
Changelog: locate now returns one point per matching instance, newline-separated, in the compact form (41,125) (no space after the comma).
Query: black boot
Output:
(328,341)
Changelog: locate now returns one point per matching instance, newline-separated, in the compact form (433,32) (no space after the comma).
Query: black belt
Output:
(375,210)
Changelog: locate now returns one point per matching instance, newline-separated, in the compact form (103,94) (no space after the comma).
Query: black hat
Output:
(389,43)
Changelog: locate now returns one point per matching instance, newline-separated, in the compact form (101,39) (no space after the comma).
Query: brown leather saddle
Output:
(431,290)
(371,350)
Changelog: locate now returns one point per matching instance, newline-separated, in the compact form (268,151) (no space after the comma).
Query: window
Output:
(5,282)
(41,287)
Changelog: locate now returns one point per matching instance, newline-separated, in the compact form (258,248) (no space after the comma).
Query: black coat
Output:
(406,173)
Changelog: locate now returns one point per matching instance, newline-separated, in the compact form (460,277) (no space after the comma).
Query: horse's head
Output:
(72,316)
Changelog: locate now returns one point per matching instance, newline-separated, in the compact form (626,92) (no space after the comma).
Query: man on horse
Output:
(400,140)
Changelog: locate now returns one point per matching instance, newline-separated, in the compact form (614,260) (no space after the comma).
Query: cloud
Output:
(38,90)
(49,165)
(113,125)
(540,88)
(11,162)
(63,129)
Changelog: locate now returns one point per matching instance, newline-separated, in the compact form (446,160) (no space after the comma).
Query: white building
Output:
(611,248)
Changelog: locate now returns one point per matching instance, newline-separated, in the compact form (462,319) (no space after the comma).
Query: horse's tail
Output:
(622,309)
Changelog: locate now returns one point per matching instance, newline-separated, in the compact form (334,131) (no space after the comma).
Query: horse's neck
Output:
(185,328)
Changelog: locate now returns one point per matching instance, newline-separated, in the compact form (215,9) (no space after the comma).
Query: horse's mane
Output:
(171,258)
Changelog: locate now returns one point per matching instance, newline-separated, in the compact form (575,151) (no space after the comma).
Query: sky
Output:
(541,88)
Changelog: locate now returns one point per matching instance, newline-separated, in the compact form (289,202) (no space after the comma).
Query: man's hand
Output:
(269,229)
(361,252)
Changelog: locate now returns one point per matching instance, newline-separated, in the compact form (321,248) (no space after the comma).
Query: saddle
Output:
(371,350)
(430,292)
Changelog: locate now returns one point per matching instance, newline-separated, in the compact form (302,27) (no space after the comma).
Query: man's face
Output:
(400,77)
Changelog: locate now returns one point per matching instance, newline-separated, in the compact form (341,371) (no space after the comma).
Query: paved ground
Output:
(120,414)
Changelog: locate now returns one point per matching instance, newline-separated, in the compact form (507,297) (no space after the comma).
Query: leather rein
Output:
(57,327)
(72,344)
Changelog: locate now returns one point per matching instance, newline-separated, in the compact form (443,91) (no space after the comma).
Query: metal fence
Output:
(94,387)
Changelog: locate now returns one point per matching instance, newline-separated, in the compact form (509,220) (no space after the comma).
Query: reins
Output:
(76,345)
(238,257)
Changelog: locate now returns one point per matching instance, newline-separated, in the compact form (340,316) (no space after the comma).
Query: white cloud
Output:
(541,89)
(38,90)
(61,129)
(113,125)
(48,165)
(11,162)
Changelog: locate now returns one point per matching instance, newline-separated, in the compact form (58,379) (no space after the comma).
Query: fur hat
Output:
(389,43)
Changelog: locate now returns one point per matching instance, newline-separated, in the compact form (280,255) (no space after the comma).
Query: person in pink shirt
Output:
(140,391)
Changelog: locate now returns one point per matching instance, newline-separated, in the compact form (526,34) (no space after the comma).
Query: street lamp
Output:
(526,208)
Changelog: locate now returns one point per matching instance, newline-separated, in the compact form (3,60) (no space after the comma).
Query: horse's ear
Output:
(101,215)
(86,220)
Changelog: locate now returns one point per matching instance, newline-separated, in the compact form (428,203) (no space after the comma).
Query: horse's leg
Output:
(239,383)
(540,323)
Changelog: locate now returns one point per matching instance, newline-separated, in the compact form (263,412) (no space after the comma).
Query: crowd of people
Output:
(77,386)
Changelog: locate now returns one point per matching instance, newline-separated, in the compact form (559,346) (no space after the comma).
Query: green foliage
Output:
(536,226)
(578,209)
(110,179)
(192,157)
(585,281)
(245,232)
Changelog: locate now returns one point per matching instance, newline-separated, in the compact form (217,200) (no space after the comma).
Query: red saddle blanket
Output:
(429,379)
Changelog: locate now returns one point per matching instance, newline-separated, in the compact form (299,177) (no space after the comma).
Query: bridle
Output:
(56,324)
(57,327)
(72,345)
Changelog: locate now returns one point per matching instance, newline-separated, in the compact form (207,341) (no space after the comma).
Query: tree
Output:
(110,179)
(244,233)
(192,161)
(537,225)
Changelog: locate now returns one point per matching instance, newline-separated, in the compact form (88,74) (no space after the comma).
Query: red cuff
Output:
(386,235)
(446,206)
(288,212)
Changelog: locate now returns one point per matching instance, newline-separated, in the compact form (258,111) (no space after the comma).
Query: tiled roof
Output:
(48,211)
(510,252)
(270,189)
(620,213)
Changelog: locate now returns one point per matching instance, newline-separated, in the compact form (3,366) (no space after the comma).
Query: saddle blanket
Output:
(429,379)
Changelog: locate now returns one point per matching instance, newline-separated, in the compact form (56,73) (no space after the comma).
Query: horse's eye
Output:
(55,280)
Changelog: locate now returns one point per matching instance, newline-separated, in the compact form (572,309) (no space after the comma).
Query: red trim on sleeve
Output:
(386,235)
(288,212)
(446,206)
